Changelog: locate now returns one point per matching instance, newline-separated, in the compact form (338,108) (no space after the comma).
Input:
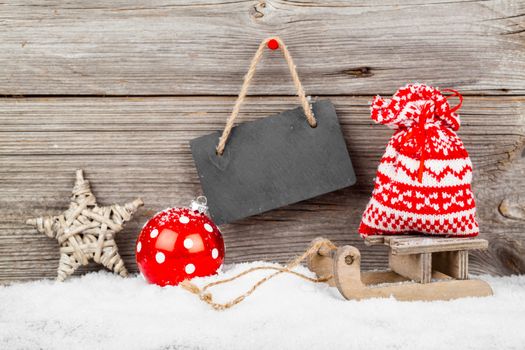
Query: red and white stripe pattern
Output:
(423,179)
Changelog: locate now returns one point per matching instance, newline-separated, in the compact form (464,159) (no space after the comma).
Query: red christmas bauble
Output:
(179,244)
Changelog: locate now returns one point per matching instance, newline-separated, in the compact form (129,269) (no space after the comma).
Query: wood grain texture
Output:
(132,147)
(162,47)
(453,264)
(414,245)
(416,267)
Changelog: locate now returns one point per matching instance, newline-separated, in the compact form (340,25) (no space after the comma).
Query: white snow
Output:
(104,311)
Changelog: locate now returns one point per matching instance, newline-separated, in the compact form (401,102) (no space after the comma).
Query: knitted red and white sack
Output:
(423,180)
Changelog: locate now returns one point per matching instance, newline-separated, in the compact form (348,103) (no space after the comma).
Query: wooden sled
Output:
(421,268)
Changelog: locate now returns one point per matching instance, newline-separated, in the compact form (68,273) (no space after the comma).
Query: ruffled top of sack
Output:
(409,103)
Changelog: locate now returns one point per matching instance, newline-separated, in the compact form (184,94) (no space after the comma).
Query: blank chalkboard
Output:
(272,162)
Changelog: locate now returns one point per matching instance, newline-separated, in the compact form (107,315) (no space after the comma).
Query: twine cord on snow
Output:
(244,90)
(207,297)
(87,231)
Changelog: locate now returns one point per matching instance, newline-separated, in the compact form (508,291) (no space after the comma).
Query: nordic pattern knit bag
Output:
(423,180)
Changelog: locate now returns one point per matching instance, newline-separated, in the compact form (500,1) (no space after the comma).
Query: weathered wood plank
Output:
(433,245)
(161,47)
(416,267)
(139,147)
(453,264)
(412,244)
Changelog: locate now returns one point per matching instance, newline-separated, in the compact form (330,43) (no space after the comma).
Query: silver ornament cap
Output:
(200,204)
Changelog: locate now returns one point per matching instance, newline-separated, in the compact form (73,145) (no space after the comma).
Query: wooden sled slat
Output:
(417,267)
(404,245)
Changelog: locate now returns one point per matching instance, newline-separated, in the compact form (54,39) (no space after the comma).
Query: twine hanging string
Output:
(207,297)
(244,90)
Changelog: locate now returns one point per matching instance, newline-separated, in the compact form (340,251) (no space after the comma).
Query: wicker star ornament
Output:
(87,231)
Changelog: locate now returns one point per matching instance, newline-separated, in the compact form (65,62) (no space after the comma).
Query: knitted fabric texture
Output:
(423,179)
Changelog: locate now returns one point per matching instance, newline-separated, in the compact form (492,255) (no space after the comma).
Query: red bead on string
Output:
(273,44)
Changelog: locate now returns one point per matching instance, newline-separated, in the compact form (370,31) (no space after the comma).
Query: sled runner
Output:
(421,268)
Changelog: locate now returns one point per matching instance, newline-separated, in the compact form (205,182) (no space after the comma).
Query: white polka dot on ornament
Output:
(154,233)
(208,227)
(160,257)
(215,253)
(188,243)
(139,247)
(190,268)
(184,219)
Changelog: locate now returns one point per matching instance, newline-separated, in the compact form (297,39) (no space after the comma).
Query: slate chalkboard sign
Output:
(273,162)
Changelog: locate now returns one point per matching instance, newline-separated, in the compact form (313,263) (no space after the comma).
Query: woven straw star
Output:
(87,231)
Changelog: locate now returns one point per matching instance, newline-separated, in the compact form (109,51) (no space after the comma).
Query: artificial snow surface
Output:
(104,311)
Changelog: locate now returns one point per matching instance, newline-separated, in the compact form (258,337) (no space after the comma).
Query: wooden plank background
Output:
(119,88)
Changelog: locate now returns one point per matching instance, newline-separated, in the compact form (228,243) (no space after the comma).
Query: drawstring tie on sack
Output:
(419,134)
